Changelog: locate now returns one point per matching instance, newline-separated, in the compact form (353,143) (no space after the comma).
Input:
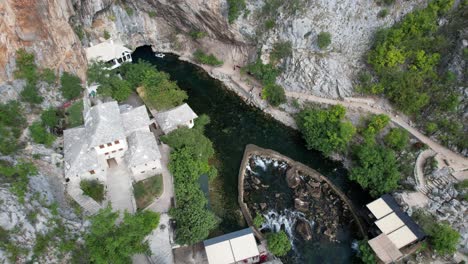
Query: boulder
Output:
(301,205)
(304,229)
(292,178)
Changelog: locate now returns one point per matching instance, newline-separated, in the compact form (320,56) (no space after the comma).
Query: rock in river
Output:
(303,229)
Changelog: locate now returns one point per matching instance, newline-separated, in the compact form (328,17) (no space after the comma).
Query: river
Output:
(235,124)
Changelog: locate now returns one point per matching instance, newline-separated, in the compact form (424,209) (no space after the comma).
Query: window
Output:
(101,146)
(142,172)
(120,149)
(107,153)
(116,142)
(114,151)
(109,144)
(191,121)
(154,168)
(92,172)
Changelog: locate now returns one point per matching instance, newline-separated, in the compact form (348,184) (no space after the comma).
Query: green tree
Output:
(71,86)
(274,94)
(201,122)
(30,94)
(50,118)
(323,39)
(48,76)
(281,50)
(116,88)
(201,146)
(266,73)
(278,243)
(160,92)
(397,139)
(325,130)
(375,169)
(134,73)
(97,72)
(365,253)
(444,239)
(112,242)
(40,135)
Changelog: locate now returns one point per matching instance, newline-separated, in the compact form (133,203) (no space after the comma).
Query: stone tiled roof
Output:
(169,120)
(142,147)
(78,159)
(103,124)
(135,119)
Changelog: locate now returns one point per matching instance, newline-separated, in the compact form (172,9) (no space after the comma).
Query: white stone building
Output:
(113,54)
(111,135)
(176,117)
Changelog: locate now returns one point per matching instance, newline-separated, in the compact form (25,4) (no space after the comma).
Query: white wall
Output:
(143,171)
(119,149)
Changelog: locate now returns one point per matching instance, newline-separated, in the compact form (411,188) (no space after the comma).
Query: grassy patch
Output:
(208,59)
(147,190)
(74,114)
(323,40)
(93,189)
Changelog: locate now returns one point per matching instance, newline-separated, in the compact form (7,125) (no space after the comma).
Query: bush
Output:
(274,94)
(112,241)
(40,135)
(26,67)
(129,10)
(30,94)
(152,14)
(278,243)
(281,50)
(197,34)
(160,92)
(444,239)
(74,114)
(208,59)
(48,76)
(12,123)
(365,253)
(397,139)
(107,34)
(18,177)
(93,189)
(323,40)
(266,73)
(116,88)
(269,24)
(71,86)
(258,220)
(382,13)
(50,118)
(236,7)
(325,130)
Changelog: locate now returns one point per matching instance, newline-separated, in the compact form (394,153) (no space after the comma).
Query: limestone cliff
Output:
(40,27)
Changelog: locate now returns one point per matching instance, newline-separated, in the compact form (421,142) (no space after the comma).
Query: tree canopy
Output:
(444,238)
(278,243)
(325,130)
(365,253)
(397,139)
(274,94)
(71,86)
(375,169)
(112,242)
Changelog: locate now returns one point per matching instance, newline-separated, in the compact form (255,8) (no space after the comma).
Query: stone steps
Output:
(86,202)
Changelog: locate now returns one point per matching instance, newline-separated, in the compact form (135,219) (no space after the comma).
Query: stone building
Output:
(113,54)
(176,117)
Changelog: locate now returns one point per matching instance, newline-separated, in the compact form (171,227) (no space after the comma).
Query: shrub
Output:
(48,76)
(74,114)
(444,239)
(236,7)
(26,67)
(93,189)
(325,130)
(365,253)
(40,135)
(281,50)
(208,59)
(274,94)
(116,88)
(323,39)
(106,34)
(258,220)
(269,24)
(266,73)
(129,10)
(71,86)
(397,139)
(30,94)
(160,92)
(50,118)
(152,14)
(12,123)
(18,176)
(197,34)
(79,32)
(382,13)
(278,243)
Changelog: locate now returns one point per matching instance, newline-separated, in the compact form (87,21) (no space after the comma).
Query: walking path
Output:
(120,189)
(251,90)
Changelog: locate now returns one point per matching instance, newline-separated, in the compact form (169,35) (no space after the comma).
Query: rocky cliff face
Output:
(40,27)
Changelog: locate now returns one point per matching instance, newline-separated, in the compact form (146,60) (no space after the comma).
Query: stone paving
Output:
(120,189)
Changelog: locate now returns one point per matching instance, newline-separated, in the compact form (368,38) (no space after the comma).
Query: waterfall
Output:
(260,162)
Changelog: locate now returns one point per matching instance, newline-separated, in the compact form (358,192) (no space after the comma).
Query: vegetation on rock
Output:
(12,123)
(267,73)
(18,177)
(40,135)
(74,114)
(236,7)
(258,220)
(323,40)
(112,242)
(444,238)
(278,243)
(208,59)
(281,50)
(274,94)
(71,86)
